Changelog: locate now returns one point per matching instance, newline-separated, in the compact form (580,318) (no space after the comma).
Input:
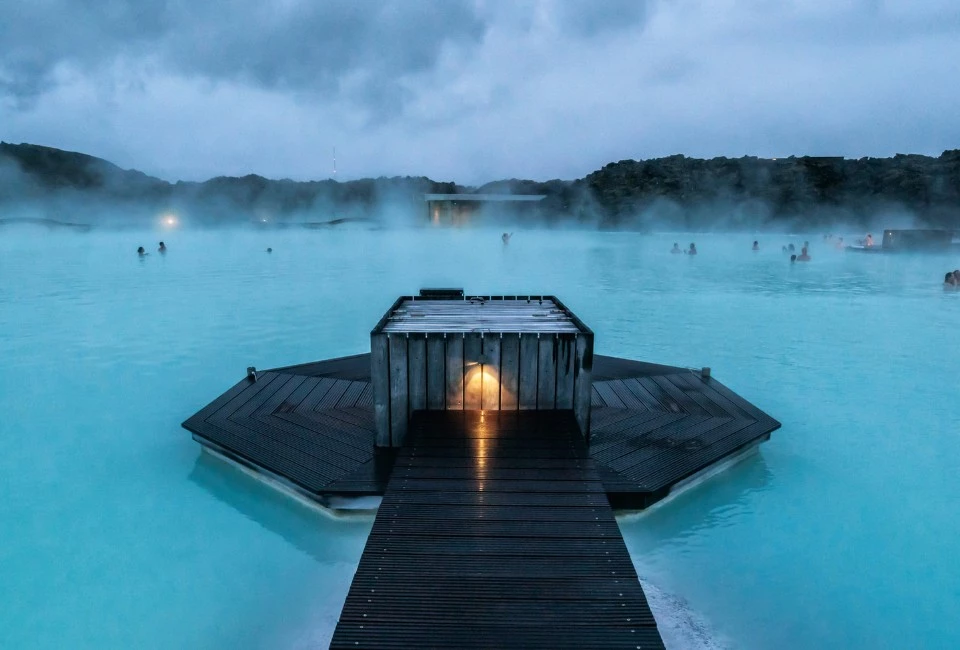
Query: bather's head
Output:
(793,258)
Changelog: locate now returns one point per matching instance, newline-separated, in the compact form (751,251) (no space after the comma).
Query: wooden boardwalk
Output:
(310,427)
(495,532)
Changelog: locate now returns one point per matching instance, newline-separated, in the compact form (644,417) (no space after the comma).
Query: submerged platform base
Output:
(309,428)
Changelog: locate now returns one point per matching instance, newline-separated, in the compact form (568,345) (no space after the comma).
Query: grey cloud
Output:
(313,45)
(588,18)
(36,36)
(475,89)
(297,45)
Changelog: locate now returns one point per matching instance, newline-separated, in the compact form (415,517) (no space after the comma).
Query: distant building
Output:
(821,160)
(458,209)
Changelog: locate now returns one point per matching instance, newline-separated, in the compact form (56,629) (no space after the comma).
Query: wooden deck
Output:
(655,427)
(495,531)
(310,427)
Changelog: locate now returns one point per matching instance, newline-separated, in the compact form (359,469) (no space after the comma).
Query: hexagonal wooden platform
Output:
(310,427)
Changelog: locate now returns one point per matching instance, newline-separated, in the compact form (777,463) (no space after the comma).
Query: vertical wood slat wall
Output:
(411,371)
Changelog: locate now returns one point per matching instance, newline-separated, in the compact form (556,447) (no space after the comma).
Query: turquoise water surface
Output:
(118,533)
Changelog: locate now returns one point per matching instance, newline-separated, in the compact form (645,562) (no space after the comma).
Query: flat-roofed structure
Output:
(912,241)
(477,352)
(480,314)
(459,208)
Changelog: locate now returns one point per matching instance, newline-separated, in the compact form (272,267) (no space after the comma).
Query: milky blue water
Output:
(115,532)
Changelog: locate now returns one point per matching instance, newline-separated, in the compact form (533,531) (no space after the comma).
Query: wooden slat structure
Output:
(477,352)
(495,532)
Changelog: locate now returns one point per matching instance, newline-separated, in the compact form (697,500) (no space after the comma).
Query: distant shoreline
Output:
(48,223)
(734,194)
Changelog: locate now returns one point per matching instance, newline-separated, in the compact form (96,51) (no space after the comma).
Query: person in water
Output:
(693,249)
(269,250)
(791,248)
(141,252)
(676,248)
(793,258)
(756,245)
(506,237)
(868,241)
(950,279)
(803,257)
(163,248)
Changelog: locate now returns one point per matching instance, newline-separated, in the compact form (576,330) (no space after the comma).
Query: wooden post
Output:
(472,375)
(436,372)
(566,352)
(398,389)
(583,383)
(509,371)
(529,346)
(547,373)
(380,380)
(490,391)
(454,372)
(417,372)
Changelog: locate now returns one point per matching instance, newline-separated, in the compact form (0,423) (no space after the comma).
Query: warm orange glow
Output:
(473,381)
(481,451)
(483,380)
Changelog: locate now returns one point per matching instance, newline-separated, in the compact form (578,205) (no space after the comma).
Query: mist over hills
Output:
(676,191)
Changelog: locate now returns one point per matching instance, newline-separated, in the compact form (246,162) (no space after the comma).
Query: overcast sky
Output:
(474,90)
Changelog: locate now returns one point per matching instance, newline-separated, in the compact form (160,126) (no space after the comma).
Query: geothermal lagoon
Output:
(118,532)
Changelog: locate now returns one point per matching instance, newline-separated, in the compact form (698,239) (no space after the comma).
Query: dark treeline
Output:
(675,191)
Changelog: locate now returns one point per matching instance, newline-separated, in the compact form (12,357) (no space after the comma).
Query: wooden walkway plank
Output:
(517,556)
